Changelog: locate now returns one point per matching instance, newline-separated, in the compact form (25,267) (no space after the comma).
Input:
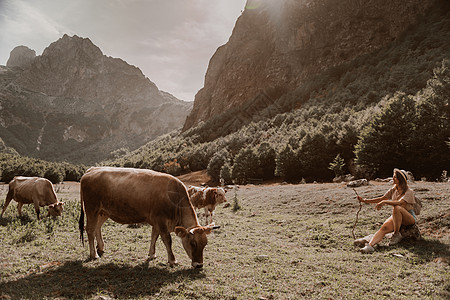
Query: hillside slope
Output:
(298,135)
(277,46)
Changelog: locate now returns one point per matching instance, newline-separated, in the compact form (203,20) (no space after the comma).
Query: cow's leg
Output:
(155,235)
(91,229)
(19,208)
(9,197)
(211,213)
(206,215)
(36,207)
(98,235)
(167,240)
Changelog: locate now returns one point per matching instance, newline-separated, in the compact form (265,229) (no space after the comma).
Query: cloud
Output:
(171,41)
(22,24)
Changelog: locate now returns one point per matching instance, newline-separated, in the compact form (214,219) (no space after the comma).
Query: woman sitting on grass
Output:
(401,198)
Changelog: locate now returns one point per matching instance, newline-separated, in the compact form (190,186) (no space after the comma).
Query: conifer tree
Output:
(244,165)
(337,165)
(385,142)
(287,164)
(431,154)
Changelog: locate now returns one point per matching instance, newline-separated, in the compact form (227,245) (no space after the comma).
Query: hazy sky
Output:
(171,41)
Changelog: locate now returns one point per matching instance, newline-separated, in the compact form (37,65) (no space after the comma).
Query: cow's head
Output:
(194,241)
(220,195)
(55,209)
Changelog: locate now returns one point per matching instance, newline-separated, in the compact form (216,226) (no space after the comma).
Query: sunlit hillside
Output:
(385,109)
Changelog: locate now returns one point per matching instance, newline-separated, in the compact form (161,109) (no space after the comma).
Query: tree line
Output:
(315,143)
(12,164)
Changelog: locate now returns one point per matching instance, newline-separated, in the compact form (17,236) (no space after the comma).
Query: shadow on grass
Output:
(426,250)
(76,281)
(24,219)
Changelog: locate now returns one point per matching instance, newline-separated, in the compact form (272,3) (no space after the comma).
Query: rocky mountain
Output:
(276,45)
(21,56)
(74,103)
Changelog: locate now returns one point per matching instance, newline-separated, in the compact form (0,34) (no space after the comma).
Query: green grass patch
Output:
(285,242)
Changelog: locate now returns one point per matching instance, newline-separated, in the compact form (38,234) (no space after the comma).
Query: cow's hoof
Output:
(100,253)
(152,257)
(173,264)
(90,258)
(197,265)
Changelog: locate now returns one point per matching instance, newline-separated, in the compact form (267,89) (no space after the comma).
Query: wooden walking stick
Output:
(356,221)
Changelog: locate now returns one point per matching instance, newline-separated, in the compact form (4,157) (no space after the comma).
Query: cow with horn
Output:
(130,196)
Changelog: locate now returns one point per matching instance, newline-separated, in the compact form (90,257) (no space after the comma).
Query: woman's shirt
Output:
(394,194)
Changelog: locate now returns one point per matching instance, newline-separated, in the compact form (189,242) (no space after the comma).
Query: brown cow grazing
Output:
(36,190)
(208,198)
(130,196)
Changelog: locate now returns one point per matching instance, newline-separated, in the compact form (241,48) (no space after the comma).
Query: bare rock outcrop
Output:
(21,56)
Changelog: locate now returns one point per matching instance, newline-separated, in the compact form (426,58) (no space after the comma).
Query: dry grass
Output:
(286,242)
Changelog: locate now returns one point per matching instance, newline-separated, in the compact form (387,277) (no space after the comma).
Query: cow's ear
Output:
(181,231)
(207,230)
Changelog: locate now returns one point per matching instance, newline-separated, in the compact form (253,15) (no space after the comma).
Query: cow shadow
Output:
(23,220)
(78,280)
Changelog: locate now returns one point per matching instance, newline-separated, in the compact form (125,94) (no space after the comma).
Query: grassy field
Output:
(286,242)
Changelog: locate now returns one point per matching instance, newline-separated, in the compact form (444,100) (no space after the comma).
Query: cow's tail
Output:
(81,220)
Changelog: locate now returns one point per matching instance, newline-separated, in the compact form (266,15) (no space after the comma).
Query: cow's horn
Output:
(192,231)
(213,226)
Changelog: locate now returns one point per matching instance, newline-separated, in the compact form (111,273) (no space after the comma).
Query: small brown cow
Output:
(207,198)
(36,190)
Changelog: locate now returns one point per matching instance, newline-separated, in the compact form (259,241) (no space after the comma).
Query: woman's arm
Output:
(390,202)
(373,200)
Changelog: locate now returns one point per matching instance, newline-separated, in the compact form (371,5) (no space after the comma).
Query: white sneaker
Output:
(395,239)
(367,249)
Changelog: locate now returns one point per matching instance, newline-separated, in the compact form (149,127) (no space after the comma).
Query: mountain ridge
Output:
(74,103)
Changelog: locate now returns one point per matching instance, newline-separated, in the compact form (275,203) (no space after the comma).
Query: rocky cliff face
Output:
(74,103)
(21,57)
(275,45)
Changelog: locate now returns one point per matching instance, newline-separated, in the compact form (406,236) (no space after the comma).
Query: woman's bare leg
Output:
(401,217)
(386,228)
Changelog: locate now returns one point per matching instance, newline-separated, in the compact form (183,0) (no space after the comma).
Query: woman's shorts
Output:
(413,213)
